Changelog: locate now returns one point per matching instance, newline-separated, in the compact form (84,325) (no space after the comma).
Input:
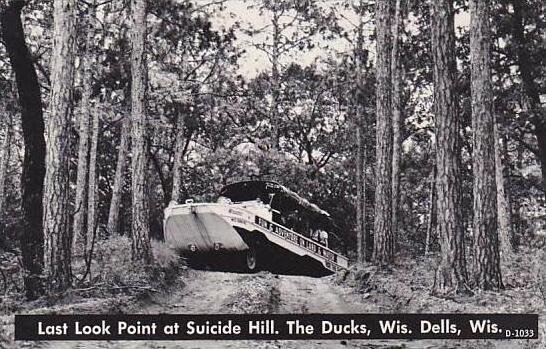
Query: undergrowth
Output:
(113,276)
(406,288)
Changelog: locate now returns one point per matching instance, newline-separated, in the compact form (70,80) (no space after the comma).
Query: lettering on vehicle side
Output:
(295,238)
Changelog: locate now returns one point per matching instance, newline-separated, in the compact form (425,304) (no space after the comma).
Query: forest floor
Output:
(404,289)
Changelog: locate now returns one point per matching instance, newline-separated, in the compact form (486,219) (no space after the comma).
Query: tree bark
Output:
(113,224)
(432,212)
(83,146)
(4,161)
(360,125)
(119,178)
(383,252)
(32,120)
(56,196)
(396,72)
(141,249)
(93,183)
(451,275)
(503,204)
(487,273)
(178,160)
(275,80)
(361,241)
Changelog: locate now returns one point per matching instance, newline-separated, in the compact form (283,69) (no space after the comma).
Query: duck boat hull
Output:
(243,236)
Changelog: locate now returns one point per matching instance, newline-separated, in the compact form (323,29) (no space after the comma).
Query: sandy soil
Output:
(221,292)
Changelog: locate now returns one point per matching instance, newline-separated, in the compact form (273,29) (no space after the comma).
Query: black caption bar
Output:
(276,326)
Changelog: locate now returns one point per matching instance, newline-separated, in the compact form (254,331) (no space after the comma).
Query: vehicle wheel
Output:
(251,260)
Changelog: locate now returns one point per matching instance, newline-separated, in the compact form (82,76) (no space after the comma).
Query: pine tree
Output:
(383,252)
(93,182)
(503,203)
(56,196)
(396,72)
(451,275)
(361,150)
(141,249)
(119,178)
(178,160)
(79,233)
(487,273)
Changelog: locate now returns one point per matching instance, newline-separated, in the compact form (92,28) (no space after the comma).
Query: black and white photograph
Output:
(272,174)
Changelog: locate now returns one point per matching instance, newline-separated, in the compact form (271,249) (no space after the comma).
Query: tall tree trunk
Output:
(487,273)
(93,182)
(178,160)
(396,71)
(503,204)
(113,224)
(361,236)
(432,211)
(511,205)
(78,232)
(383,252)
(141,249)
(119,179)
(451,275)
(361,241)
(32,121)
(56,196)
(275,80)
(4,161)
(531,95)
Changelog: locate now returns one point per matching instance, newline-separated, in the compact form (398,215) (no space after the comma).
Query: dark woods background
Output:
(194,113)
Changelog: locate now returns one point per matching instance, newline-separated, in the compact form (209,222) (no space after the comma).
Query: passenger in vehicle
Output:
(323,237)
(292,220)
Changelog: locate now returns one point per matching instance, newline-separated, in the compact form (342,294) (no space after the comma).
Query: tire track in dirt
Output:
(205,292)
(302,294)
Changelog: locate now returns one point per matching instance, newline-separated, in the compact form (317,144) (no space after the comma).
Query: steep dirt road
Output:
(220,292)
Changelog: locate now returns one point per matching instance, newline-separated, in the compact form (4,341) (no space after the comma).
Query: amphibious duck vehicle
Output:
(256,225)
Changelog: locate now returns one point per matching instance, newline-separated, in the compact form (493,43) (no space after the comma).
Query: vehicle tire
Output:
(251,260)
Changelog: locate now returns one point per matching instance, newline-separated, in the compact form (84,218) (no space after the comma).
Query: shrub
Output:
(113,267)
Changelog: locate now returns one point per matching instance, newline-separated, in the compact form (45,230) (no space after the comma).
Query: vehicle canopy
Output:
(290,206)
